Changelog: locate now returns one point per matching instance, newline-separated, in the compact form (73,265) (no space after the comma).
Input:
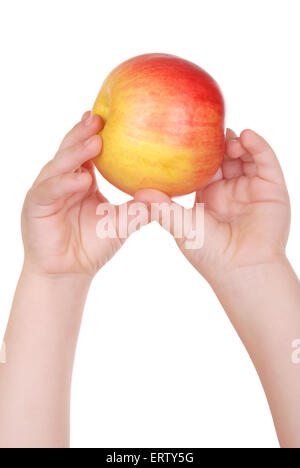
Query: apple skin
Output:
(164,125)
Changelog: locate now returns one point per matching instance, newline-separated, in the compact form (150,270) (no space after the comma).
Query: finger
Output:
(181,223)
(234,149)
(152,196)
(232,168)
(218,176)
(163,209)
(71,158)
(90,166)
(122,220)
(85,116)
(131,217)
(60,187)
(249,169)
(83,130)
(267,164)
(231,135)
(101,197)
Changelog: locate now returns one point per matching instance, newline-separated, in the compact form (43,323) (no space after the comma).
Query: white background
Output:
(158,363)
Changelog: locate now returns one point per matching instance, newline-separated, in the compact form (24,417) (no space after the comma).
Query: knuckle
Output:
(43,173)
(48,167)
(28,199)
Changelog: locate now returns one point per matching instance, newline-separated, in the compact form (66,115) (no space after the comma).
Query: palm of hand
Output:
(65,235)
(246,207)
(251,219)
(59,218)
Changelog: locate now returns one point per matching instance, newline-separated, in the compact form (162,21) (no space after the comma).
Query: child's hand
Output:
(59,216)
(247,211)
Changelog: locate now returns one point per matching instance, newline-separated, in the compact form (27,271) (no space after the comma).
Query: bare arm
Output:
(263,303)
(40,345)
(62,255)
(247,218)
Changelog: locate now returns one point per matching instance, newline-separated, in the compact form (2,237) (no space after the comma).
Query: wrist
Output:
(61,297)
(71,280)
(243,276)
(46,314)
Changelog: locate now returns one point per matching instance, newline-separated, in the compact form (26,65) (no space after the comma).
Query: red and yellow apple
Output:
(164,125)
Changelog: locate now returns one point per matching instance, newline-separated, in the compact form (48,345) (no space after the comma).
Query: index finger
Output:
(87,127)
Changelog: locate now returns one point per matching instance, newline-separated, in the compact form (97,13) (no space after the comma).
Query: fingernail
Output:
(85,116)
(89,120)
(230,135)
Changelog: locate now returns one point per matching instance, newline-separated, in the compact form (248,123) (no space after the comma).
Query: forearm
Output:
(263,303)
(40,343)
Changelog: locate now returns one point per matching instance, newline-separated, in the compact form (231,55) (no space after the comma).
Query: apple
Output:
(164,125)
